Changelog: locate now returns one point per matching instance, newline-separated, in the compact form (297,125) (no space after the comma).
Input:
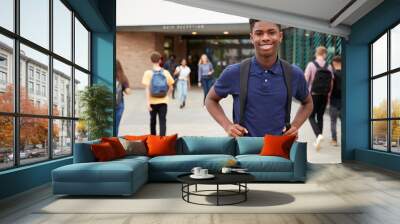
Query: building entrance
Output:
(221,50)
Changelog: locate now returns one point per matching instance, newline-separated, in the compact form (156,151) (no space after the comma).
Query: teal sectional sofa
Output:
(125,176)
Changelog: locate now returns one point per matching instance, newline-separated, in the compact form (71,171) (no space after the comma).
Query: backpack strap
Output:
(287,72)
(244,77)
(318,66)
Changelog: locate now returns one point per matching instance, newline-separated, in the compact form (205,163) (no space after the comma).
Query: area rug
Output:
(167,198)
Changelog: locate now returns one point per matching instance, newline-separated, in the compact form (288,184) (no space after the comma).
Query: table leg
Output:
(217,194)
(245,191)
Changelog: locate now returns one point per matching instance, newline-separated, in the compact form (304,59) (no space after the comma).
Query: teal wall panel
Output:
(380,159)
(356,104)
(24,178)
(356,108)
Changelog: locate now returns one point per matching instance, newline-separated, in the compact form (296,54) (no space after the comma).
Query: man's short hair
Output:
(253,21)
(337,59)
(321,50)
(155,57)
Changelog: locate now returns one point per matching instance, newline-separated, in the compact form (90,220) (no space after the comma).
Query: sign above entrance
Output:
(184,27)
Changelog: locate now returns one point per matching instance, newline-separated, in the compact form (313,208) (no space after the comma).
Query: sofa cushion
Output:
(83,152)
(134,147)
(185,163)
(277,145)
(257,163)
(112,171)
(161,145)
(136,137)
(103,152)
(116,145)
(194,145)
(249,145)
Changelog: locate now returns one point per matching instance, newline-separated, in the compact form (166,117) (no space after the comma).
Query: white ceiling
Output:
(316,15)
(134,13)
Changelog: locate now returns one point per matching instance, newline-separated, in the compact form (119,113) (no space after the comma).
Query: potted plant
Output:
(96,104)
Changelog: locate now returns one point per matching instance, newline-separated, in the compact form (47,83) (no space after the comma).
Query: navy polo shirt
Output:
(266,97)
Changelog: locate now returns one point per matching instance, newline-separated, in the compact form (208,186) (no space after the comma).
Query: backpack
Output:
(337,84)
(158,85)
(244,76)
(322,80)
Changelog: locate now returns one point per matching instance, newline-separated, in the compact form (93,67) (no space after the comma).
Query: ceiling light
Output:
(194,33)
(226,32)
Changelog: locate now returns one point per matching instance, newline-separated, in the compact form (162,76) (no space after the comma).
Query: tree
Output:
(33,131)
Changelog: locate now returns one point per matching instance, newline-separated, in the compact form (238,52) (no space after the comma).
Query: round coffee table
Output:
(238,179)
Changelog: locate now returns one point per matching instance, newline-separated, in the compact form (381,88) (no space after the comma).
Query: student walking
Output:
(336,96)
(121,89)
(319,76)
(182,73)
(171,65)
(205,74)
(159,84)
(262,106)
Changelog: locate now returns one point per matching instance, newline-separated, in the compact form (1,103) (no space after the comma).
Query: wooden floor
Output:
(377,189)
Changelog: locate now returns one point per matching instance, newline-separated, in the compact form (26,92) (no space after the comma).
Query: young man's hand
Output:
(149,107)
(235,130)
(293,130)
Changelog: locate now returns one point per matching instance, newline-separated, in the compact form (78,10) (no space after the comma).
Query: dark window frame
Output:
(16,115)
(388,74)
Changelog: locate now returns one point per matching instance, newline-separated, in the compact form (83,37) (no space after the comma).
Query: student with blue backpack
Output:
(159,83)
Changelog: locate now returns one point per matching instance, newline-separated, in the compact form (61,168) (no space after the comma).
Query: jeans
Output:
(174,88)
(334,113)
(118,115)
(161,111)
(206,83)
(318,111)
(182,90)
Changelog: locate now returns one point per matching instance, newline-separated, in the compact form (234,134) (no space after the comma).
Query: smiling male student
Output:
(261,97)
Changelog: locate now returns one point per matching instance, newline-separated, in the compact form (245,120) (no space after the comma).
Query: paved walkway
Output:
(194,120)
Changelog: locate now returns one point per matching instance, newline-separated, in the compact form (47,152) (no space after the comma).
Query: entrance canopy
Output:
(326,16)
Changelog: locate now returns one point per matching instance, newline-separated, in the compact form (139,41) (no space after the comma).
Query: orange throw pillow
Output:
(136,137)
(116,145)
(161,145)
(277,145)
(103,152)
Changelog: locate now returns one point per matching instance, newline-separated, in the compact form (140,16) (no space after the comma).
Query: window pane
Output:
(81,81)
(395,94)
(62,89)
(379,55)
(35,21)
(6,74)
(33,139)
(34,72)
(7,14)
(81,45)
(62,138)
(395,47)
(81,131)
(395,136)
(379,135)
(379,97)
(62,29)
(6,142)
